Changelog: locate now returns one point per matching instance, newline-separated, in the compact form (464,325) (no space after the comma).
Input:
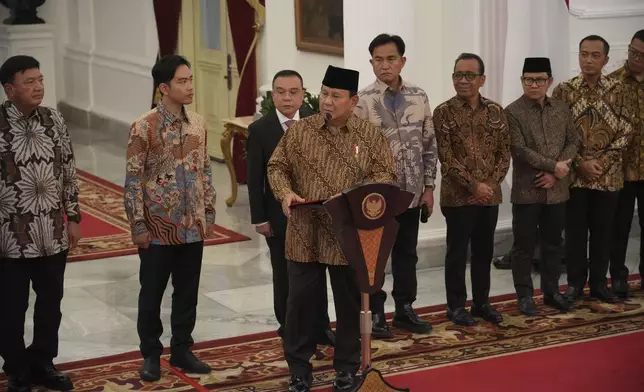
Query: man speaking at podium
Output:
(319,157)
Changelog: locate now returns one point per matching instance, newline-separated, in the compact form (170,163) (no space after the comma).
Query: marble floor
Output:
(100,304)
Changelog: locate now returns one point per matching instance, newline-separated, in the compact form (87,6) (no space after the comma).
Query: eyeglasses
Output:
(467,75)
(530,81)
(635,54)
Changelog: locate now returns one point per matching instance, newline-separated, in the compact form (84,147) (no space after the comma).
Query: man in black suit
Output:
(266,212)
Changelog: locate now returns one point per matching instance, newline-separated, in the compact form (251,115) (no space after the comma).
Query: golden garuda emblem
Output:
(374,206)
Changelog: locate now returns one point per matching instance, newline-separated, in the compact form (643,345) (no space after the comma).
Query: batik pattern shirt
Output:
(634,155)
(541,136)
(168,182)
(603,117)
(38,184)
(317,163)
(473,148)
(406,120)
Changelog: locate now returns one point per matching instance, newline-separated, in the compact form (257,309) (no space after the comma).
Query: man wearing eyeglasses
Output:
(601,109)
(632,76)
(474,151)
(402,111)
(544,141)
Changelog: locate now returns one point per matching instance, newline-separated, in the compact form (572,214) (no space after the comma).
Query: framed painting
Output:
(319,26)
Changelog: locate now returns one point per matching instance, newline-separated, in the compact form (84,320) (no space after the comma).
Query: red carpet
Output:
(598,347)
(610,364)
(105,229)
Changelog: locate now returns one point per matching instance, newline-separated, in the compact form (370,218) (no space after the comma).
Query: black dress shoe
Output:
(557,301)
(406,318)
(151,369)
(327,338)
(461,316)
(344,381)
(298,384)
(18,383)
(380,328)
(187,362)
(487,313)
(527,306)
(572,294)
(604,294)
(620,288)
(50,378)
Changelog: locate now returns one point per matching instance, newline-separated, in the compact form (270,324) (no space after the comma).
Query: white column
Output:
(494,24)
(38,41)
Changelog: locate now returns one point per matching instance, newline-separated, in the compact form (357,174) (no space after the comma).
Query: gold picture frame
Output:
(319,26)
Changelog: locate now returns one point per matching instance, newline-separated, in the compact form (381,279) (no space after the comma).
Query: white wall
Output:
(111,49)
(616,21)
(54,14)
(278,50)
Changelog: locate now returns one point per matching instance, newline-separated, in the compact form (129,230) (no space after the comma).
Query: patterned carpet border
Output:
(254,363)
(103,200)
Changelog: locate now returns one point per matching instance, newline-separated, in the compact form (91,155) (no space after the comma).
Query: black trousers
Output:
(467,225)
(589,211)
(623,220)
(306,281)
(277,248)
(46,276)
(403,263)
(158,263)
(532,224)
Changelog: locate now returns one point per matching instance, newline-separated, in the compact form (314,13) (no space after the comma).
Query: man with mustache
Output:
(632,76)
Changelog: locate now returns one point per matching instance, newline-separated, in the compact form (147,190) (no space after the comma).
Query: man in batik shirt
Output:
(544,141)
(402,111)
(474,150)
(319,157)
(170,203)
(39,222)
(600,108)
(632,76)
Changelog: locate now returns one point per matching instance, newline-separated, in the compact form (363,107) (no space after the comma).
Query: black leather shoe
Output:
(406,318)
(620,288)
(187,362)
(557,301)
(527,306)
(380,328)
(298,384)
(487,313)
(327,338)
(572,294)
(604,294)
(18,383)
(151,369)
(461,316)
(50,378)
(344,381)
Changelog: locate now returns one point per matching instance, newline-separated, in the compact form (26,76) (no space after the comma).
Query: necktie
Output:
(288,123)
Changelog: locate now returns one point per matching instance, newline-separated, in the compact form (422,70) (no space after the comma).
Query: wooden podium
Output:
(364,222)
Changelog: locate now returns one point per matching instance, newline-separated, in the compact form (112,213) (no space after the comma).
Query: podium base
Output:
(371,380)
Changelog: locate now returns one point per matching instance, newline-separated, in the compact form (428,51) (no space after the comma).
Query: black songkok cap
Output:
(537,65)
(341,78)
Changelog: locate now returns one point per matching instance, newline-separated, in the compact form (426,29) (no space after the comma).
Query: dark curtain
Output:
(242,24)
(167,14)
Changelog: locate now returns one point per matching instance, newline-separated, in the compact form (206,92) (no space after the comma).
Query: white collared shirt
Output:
(283,119)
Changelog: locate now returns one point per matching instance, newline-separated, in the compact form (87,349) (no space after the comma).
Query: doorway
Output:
(205,40)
